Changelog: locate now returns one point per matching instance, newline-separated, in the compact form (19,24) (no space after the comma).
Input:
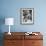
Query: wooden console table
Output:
(20,39)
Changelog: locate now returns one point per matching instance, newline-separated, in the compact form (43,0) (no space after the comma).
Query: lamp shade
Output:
(9,21)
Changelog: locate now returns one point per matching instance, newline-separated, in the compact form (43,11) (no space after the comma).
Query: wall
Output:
(11,8)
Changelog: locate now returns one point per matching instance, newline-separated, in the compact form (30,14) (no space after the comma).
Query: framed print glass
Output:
(27,15)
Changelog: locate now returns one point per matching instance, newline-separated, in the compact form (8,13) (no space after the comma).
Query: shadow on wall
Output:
(1,39)
(2,21)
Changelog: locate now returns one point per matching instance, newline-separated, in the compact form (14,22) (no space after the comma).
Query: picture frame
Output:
(27,15)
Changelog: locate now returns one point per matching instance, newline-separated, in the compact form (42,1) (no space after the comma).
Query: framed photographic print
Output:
(27,15)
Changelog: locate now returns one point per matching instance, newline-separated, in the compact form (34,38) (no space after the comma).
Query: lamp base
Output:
(9,33)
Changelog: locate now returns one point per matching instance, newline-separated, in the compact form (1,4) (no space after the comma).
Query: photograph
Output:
(26,15)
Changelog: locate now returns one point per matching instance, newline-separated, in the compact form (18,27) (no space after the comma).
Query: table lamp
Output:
(9,21)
